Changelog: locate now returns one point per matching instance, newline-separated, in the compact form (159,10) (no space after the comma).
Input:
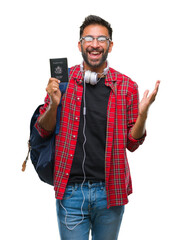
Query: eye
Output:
(88,38)
(102,39)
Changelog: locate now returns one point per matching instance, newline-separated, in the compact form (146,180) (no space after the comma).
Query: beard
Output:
(96,63)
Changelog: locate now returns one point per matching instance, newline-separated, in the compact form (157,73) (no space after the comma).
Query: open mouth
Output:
(95,54)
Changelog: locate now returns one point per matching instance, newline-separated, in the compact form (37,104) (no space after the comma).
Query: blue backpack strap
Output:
(62,87)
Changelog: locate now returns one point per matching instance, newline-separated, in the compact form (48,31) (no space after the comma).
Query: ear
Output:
(79,46)
(110,46)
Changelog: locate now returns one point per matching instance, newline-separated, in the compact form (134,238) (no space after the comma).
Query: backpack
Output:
(42,150)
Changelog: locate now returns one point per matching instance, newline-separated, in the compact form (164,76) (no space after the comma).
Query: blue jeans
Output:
(75,218)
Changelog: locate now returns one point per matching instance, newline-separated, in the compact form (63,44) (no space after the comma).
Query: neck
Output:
(98,70)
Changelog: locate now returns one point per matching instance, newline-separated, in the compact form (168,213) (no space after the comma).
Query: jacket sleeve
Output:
(42,132)
(132,114)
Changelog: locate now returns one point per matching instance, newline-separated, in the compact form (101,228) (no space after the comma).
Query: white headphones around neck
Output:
(92,77)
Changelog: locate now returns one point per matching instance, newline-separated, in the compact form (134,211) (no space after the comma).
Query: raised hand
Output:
(138,129)
(148,100)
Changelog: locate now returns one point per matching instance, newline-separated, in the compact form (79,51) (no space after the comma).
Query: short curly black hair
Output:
(92,19)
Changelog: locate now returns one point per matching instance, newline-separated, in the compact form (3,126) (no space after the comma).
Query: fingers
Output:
(54,81)
(157,86)
(53,86)
(146,94)
(157,83)
(155,91)
(148,100)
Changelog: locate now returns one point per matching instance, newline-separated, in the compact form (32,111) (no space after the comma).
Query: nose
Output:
(95,42)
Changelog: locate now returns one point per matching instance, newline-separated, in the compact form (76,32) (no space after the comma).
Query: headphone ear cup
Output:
(87,76)
(90,77)
(93,78)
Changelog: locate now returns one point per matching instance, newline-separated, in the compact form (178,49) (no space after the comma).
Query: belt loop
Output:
(101,185)
(76,186)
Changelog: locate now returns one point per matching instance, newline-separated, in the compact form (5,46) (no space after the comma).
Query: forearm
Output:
(48,119)
(139,129)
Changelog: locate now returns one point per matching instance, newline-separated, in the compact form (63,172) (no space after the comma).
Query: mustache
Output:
(91,49)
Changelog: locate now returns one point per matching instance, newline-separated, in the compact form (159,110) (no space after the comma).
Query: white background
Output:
(147,47)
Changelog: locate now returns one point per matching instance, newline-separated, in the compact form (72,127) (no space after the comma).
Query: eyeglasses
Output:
(100,39)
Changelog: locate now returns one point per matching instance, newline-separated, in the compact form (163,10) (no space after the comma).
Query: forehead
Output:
(95,30)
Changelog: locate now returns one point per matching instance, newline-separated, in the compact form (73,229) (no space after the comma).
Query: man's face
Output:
(95,53)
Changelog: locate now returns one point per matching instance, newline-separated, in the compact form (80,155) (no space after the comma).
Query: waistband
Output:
(89,184)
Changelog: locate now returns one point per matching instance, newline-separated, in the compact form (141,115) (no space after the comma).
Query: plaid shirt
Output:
(122,113)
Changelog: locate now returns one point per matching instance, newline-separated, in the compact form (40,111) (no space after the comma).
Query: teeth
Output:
(95,53)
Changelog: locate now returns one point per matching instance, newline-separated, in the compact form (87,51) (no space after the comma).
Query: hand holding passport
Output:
(59,69)
(59,79)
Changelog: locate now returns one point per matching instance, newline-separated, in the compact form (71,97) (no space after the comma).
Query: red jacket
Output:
(122,113)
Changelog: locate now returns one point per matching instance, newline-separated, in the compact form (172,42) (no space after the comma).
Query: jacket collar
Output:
(78,75)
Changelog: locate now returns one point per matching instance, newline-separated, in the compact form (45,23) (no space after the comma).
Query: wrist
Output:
(143,116)
(53,106)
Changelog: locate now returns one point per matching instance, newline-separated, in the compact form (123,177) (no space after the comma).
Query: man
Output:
(98,122)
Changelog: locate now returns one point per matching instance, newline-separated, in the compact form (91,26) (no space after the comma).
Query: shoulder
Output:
(75,70)
(75,73)
(122,80)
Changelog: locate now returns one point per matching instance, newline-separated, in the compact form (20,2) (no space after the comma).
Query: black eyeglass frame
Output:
(101,41)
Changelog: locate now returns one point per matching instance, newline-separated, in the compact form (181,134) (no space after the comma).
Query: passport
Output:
(59,69)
